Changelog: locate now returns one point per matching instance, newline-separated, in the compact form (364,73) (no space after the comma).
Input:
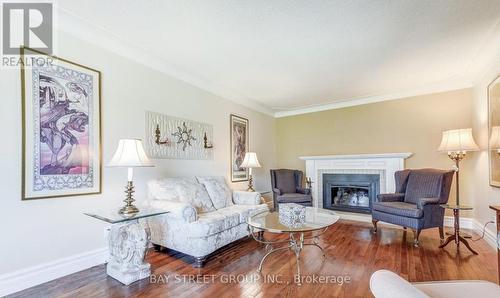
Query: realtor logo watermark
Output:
(26,24)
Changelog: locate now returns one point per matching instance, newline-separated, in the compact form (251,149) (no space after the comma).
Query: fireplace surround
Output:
(350,192)
(385,165)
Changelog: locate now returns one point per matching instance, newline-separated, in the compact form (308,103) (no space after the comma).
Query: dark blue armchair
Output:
(416,202)
(287,188)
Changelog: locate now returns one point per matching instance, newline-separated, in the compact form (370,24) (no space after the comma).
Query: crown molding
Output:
(448,85)
(480,66)
(84,29)
(485,63)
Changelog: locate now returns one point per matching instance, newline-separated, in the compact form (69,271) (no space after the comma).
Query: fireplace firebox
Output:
(350,192)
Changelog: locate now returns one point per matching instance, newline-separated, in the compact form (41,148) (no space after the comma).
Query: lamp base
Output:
(250,184)
(129,208)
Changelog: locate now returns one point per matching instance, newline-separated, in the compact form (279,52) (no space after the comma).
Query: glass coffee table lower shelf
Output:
(128,242)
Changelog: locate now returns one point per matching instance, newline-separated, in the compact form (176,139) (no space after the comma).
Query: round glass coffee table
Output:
(317,221)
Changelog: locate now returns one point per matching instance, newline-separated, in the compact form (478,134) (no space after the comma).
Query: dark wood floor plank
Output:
(352,250)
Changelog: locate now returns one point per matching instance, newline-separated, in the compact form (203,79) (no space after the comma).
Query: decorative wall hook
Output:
(157,137)
(206,144)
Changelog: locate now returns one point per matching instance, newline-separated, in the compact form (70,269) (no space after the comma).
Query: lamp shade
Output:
(458,140)
(130,153)
(250,161)
(495,138)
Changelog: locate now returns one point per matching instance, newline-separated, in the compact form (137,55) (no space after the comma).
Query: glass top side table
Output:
(456,235)
(115,217)
(128,242)
(459,207)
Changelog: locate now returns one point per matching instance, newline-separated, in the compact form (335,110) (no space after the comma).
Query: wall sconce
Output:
(309,182)
(157,137)
(206,144)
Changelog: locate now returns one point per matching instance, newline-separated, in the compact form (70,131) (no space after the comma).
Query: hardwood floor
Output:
(352,251)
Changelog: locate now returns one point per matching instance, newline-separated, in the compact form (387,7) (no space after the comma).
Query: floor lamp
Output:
(457,143)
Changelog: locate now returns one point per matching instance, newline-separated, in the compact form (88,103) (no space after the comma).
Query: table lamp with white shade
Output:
(457,143)
(495,139)
(250,161)
(130,154)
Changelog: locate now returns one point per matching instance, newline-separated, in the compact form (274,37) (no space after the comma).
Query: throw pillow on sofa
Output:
(217,189)
(181,189)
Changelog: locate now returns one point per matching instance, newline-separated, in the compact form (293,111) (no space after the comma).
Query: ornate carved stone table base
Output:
(128,244)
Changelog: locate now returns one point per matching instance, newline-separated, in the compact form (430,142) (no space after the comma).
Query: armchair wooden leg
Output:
(441,233)
(374,226)
(416,234)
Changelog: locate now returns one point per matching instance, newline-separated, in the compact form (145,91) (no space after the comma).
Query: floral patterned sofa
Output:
(205,214)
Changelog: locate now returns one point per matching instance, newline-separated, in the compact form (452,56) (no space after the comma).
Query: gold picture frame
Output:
(494,131)
(239,137)
(61,127)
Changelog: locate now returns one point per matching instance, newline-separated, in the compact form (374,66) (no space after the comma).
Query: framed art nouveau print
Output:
(239,147)
(61,128)
(494,131)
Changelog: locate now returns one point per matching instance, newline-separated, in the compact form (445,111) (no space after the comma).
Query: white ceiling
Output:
(293,55)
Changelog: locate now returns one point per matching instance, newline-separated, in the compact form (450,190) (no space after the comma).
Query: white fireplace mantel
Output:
(385,164)
(358,156)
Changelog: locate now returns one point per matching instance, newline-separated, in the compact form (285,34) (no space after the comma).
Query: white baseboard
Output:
(29,277)
(474,225)
(465,223)
(489,236)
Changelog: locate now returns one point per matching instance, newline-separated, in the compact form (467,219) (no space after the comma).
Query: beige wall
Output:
(479,189)
(408,125)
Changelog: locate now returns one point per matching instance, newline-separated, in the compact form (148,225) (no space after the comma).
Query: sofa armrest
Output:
(427,201)
(177,210)
(304,191)
(391,197)
(246,198)
(277,191)
(386,284)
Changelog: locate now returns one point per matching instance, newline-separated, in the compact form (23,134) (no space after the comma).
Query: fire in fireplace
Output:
(350,192)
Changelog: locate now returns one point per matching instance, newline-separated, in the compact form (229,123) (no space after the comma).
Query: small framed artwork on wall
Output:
(61,135)
(239,147)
